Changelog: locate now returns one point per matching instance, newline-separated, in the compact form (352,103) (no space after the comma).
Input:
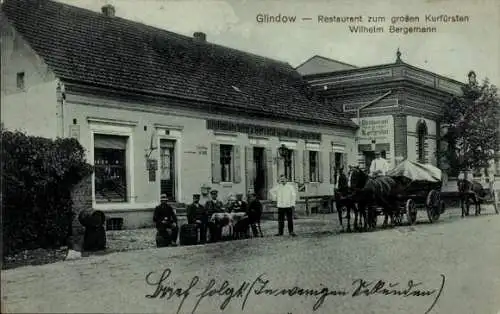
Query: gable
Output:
(319,64)
(18,56)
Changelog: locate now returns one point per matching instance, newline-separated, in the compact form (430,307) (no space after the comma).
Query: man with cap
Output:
(196,214)
(214,206)
(166,223)
(379,166)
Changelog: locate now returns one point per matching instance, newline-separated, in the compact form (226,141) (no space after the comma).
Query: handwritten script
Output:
(260,286)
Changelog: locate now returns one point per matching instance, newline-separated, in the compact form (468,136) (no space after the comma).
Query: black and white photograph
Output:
(261,157)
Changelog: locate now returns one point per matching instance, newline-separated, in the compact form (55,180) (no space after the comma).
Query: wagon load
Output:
(422,189)
(417,172)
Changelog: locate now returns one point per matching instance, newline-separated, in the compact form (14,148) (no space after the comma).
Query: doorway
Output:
(260,173)
(369,157)
(167,169)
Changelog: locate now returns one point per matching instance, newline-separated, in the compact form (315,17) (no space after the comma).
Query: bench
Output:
(324,198)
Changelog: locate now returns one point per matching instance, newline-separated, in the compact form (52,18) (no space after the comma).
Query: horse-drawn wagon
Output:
(402,191)
(421,189)
(474,193)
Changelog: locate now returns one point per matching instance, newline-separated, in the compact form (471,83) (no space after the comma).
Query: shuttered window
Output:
(226,161)
(313,166)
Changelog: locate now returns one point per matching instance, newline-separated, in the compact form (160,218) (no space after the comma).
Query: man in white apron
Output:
(379,166)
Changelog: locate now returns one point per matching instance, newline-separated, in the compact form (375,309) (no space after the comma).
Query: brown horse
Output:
(370,193)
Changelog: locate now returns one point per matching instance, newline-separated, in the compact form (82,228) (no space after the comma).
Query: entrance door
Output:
(369,157)
(260,173)
(167,170)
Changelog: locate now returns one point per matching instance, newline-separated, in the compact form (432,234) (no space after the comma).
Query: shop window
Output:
(110,168)
(226,163)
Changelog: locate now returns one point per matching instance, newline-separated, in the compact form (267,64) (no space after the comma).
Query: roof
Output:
(380,66)
(88,47)
(327,60)
(318,64)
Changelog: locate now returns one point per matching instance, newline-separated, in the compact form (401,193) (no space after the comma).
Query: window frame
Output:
(21,80)
(100,126)
(316,161)
(122,169)
(291,164)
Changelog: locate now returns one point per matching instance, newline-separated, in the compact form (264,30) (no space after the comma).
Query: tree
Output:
(471,120)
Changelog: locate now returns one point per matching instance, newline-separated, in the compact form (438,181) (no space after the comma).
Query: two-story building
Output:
(397,106)
(159,112)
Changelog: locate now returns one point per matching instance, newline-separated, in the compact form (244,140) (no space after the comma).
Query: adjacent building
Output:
(397,106)
(159,112)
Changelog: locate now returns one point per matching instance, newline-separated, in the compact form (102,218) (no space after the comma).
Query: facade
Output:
(158,112)
(397,107)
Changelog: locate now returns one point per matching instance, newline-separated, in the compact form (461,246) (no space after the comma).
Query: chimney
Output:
(108,10)
(199,36)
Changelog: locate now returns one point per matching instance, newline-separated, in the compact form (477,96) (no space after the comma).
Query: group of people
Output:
(201,211)
(201,214)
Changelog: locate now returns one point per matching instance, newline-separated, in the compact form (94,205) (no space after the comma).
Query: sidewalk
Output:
(138,239)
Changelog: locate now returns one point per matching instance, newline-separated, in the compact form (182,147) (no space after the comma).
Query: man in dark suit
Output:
(166,223)
(254,212)
(197,214)
(214,206)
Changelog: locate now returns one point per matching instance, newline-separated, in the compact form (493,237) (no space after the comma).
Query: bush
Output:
(38,175)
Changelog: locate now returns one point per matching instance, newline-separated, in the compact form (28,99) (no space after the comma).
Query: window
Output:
(313,166)
(421,136)
(226,163)
(339,162)
(20,80)
(110,168)
(289,161)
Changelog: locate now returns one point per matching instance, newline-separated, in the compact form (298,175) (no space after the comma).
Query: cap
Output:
(196,195)
(163,197)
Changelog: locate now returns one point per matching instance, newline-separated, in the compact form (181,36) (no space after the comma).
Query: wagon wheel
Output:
(411,211)
(433,206)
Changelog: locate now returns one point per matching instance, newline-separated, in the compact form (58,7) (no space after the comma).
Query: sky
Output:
(453,50)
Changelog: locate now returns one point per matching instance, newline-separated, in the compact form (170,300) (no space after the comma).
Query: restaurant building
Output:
(397,106)
(159,112)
